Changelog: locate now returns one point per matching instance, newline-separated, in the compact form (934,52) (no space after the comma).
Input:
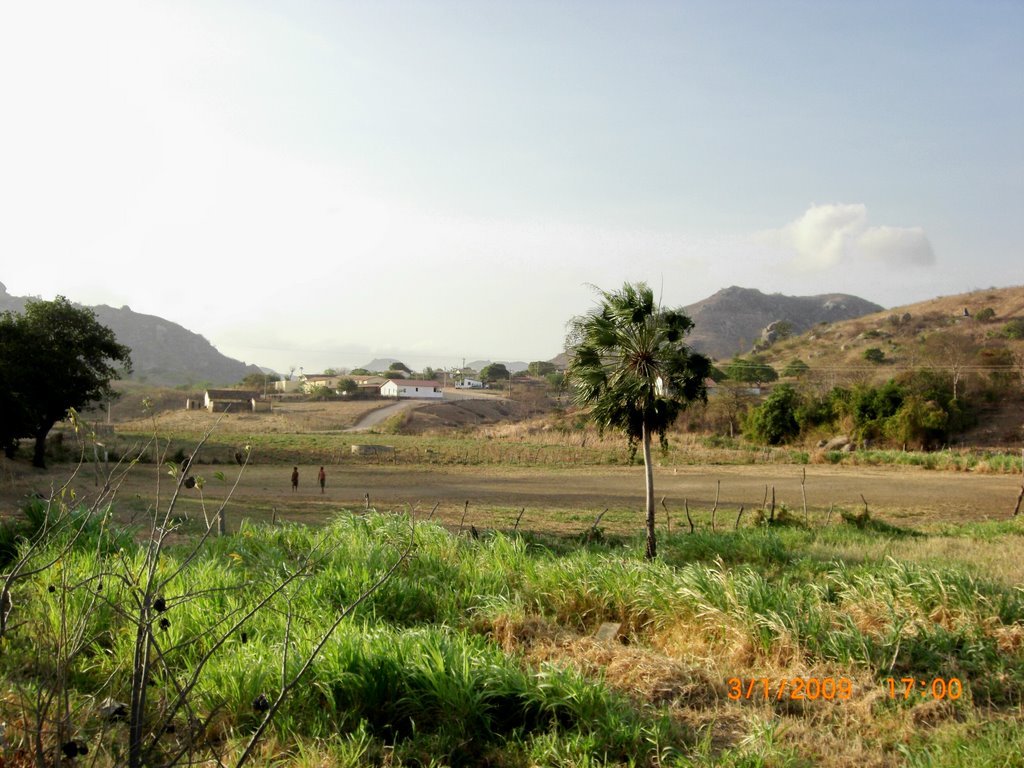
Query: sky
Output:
(315,184)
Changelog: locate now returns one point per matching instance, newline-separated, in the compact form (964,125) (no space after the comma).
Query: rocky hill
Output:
(162,352)
(975,340)
(970,325)
(734,320)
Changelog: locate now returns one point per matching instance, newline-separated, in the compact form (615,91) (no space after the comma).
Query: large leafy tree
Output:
(494,372)
(632,371)
(53,357)
(752,370)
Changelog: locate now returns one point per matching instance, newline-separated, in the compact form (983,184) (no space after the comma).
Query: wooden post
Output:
(465,511)
(714,509)
(686,506)
(520,517)
(1016,508)
(668,516)
(803,493)
(738,516)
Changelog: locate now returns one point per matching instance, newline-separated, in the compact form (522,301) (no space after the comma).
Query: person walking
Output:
(322,477)
(295,479)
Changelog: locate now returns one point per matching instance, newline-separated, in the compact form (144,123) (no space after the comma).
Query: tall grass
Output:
(424,673)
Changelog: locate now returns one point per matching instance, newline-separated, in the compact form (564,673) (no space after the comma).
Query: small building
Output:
(412,388)
(468,383)
(315,381)
(285,386)
(235,400)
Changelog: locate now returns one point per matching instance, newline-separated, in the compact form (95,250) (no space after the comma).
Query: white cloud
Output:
(822,236)
(828,236)
(897,245)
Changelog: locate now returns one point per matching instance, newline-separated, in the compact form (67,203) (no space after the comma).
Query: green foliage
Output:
(556,380)
(633,372)
(795,368)
(752,370)
(1014,329)
(54,357)
(494,372)
(774,421)
(257,381)
(441,666)
(540,368)
(874,355)
(985,315)
(399,366)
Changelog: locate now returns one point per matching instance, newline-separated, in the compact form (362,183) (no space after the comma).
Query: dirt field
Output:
(554,499)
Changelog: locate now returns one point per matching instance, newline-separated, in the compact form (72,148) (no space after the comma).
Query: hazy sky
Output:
(318,183)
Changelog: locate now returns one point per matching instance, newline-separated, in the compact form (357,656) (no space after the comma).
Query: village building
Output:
(233,400)
(411,388)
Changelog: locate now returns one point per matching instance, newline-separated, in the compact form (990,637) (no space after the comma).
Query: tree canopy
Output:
(632,372)
(752,370)
(494,372)
(53,357)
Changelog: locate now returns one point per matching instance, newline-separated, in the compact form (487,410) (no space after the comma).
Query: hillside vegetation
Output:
(949,371)
(837,348)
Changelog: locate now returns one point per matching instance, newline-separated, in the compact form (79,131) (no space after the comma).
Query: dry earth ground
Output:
(556,500)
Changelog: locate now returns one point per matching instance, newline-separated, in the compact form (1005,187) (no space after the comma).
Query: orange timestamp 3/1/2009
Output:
(795,688)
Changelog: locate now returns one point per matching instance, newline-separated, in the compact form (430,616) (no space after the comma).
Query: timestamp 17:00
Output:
(936,688)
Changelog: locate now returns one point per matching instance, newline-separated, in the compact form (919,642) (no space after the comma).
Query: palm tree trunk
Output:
(652,545)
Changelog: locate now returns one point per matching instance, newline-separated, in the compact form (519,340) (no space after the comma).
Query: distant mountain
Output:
(383,363)
(380,364)
(734,319)
(513,366)
(162,352)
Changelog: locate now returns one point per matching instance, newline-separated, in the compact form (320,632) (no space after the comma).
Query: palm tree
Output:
(632,372)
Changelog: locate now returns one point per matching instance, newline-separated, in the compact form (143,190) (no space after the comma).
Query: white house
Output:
(414,388)
(467,383)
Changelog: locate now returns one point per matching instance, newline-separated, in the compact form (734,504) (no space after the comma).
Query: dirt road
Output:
(373,418)
(903,496)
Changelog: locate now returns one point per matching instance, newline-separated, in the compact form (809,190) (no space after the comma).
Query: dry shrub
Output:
(870,617)
(641,673)
(1010,639)
(714,638)
(516,634)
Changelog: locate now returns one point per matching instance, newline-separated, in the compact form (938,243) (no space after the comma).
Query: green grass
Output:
(546,449)
(478,651)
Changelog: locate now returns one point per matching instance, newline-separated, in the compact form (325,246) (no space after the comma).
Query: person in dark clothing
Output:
(295,479)
(322,477)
